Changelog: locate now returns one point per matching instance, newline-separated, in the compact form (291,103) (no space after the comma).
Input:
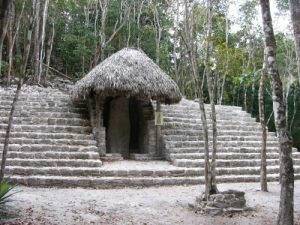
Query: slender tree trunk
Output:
(103,42)
(50,47)
(195,69)
(8,129)
(139,22)
(294,110)
(4,7)
(158,30)
(176,24)
(10,43)
(252,97)
(45,12)
(220,99)
(157,50)
(286,206)
(28,39)
(245,98)
(261,104)
(212,177)
(295,15)
(5,22)
(12,38)
(36,51)
(212,185)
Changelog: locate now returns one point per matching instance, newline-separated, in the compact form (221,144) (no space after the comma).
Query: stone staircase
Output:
(239,141)
(49,135)
(52,144)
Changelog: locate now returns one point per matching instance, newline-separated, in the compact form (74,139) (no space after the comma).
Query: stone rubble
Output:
(226,203)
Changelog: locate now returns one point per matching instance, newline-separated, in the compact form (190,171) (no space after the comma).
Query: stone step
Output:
(118,182)
(42,103)
(193,106)
(27,141)
(93,171)
(188,126)
(99,172)
(219,138)
(48,128)
(45,109)
(47,121)
(177,109)
(53,162)
(253,170)
(186,132)
(5,113)
(227,163)
(27,98)
(52,155)
(47,147)
(243,150)
(193,120)
(37,135)
(222,155)
(245,118)
(222,163)
(245,178)
(180,144)
(102,182)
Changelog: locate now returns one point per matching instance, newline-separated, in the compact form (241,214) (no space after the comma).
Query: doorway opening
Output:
(125,125)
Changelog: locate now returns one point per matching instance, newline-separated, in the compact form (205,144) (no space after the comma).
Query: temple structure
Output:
(126,124)
(119,93)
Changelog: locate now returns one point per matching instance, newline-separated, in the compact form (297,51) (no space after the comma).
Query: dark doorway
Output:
(137,126)
(125,126)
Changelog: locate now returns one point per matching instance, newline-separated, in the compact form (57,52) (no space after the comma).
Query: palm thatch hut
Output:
(118,93)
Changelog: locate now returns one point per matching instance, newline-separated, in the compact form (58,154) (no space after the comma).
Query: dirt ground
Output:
(145,206)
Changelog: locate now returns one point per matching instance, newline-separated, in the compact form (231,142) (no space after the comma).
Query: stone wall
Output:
(99,132)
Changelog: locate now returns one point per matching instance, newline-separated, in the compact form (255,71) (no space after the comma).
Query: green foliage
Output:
(282,4)
(5,195)
(239,61)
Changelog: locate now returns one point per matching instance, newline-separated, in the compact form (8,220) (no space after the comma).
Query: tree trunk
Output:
(295,15)
(5,22)
(4,7)
(286,206)
(50,47)
(195,69)
(175,37)
(42,41)
(294,108)
(10,121)
(261,104)
(212,178)
(12,38)
(220,99)
(245,98)
(139,22)
(36,51)
(10,42)
(252,98)
(28,39)
(212,185)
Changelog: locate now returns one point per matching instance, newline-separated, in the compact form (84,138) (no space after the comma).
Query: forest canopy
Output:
(42,39)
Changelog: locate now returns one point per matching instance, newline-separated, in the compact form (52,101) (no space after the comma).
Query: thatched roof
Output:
(131,73)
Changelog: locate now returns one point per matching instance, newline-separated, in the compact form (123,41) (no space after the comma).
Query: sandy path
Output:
(157,206)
